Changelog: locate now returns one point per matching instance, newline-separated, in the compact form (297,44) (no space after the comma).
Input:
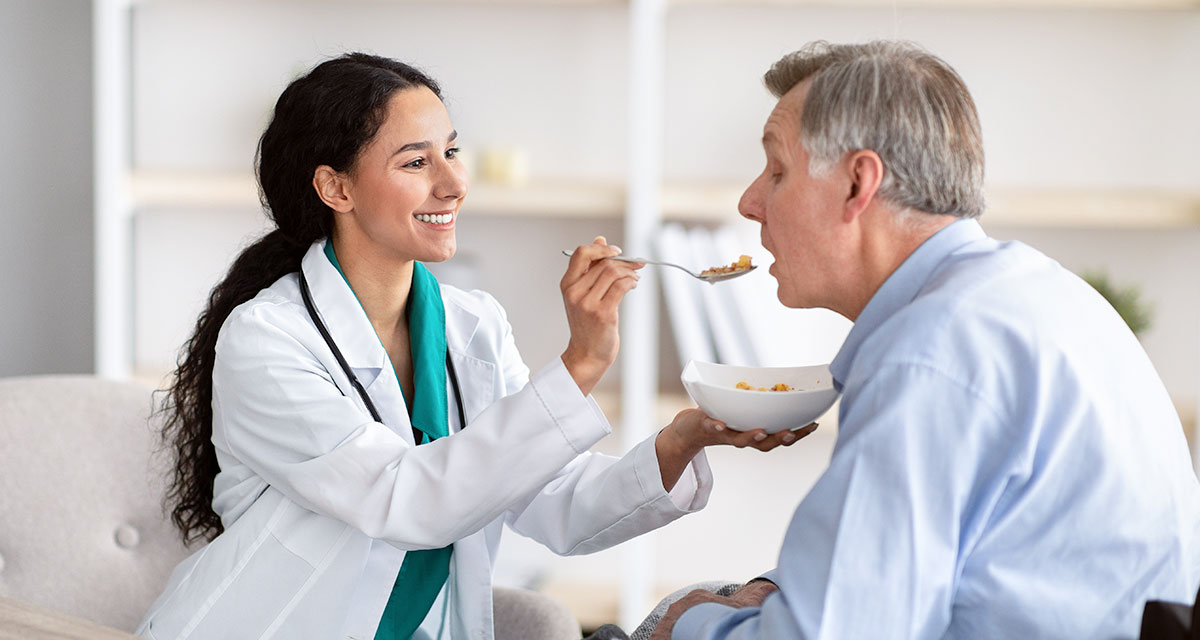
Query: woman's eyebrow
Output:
(424,144)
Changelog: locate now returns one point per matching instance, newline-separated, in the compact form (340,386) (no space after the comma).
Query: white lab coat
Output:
(320,502)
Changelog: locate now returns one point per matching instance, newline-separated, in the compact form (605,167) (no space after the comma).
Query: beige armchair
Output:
(82,526)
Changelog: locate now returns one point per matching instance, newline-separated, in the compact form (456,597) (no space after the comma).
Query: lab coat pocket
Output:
(258,594)
(232,597)
(479,381)
(308,535)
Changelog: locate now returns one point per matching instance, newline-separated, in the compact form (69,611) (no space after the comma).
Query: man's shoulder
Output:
(980,306)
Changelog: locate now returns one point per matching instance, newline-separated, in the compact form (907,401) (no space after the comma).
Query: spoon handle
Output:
(645,261)
(621,258)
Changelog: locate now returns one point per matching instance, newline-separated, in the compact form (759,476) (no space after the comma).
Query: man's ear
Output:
(332,188)
(865,172)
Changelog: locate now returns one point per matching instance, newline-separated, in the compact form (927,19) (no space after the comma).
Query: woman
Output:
(328,353)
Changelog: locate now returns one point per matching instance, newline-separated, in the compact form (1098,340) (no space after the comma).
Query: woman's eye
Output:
(416,164)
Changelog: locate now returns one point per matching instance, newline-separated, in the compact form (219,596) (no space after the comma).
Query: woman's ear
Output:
(332,188)
(865,172)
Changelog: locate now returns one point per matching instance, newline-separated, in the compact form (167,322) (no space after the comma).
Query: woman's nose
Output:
(452,181)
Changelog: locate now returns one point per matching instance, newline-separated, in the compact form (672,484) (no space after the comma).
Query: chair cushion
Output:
(529,615)
(81,483)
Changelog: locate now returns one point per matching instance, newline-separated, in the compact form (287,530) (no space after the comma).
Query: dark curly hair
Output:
(325,117)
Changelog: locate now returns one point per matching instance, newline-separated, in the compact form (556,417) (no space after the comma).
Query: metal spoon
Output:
(709,278)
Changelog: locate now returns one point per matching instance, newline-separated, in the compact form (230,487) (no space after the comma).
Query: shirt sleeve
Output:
(873,550)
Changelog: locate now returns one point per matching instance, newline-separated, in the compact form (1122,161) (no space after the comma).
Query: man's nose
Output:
(750,204)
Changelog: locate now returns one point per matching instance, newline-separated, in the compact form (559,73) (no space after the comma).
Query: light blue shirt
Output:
(1008,465)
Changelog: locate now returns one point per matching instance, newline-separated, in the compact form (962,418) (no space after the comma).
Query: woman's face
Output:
(408,184)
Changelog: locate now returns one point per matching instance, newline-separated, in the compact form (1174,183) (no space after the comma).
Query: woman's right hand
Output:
(592,290)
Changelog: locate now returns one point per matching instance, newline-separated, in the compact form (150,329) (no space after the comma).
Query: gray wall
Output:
(46,290)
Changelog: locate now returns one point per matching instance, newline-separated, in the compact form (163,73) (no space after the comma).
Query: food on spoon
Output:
(778,387)
(742,264)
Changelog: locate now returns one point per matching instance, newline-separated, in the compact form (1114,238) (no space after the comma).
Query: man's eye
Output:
(452,152)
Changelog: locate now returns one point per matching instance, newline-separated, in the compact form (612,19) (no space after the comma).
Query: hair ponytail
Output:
(325,117)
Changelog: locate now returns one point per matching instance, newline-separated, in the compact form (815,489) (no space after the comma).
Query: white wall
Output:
(46,187)
(1066,97)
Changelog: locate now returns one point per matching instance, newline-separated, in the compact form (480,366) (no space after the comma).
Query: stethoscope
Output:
(337,353)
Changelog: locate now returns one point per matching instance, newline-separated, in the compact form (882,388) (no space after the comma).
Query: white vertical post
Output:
(1196,433)
(639,319)
(111,127)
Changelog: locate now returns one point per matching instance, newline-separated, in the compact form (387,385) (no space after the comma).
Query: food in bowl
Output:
(713,387)
(742,264)
(779,386)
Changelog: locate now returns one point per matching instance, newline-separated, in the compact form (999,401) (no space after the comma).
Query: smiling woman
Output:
(317,452)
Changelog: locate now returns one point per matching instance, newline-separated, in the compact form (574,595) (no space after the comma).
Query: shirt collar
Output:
(901,288)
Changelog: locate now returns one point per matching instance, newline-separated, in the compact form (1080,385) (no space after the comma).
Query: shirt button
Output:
(127,537)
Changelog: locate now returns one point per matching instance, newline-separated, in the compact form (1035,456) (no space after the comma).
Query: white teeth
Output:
(443,218)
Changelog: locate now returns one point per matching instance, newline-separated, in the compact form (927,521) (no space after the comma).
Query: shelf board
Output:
(217,190)
(1007,206)
(192,190)
(711,203)
(567,199)
(1093,208)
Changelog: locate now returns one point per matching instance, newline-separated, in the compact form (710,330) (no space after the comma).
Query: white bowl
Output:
(714,387)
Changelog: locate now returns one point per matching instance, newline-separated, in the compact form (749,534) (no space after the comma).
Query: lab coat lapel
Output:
(350,328)
(475,376)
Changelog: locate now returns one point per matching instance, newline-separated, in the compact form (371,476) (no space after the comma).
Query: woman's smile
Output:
(441,220)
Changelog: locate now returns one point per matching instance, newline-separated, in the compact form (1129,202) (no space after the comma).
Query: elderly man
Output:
(1008,463)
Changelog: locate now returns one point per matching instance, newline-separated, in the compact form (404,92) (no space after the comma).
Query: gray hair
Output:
(903,103)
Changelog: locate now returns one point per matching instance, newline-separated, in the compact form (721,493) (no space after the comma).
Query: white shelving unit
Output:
(114,205)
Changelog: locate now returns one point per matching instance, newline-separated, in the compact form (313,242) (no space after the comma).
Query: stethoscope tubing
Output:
(306,294)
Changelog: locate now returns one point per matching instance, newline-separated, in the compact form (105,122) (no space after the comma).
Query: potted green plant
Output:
(1127,300)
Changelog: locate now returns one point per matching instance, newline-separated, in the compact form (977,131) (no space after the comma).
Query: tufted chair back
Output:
(82,526)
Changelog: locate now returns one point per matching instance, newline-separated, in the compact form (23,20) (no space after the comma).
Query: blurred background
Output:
(128,132)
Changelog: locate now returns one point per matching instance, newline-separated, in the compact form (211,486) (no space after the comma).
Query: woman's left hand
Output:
(692,430)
